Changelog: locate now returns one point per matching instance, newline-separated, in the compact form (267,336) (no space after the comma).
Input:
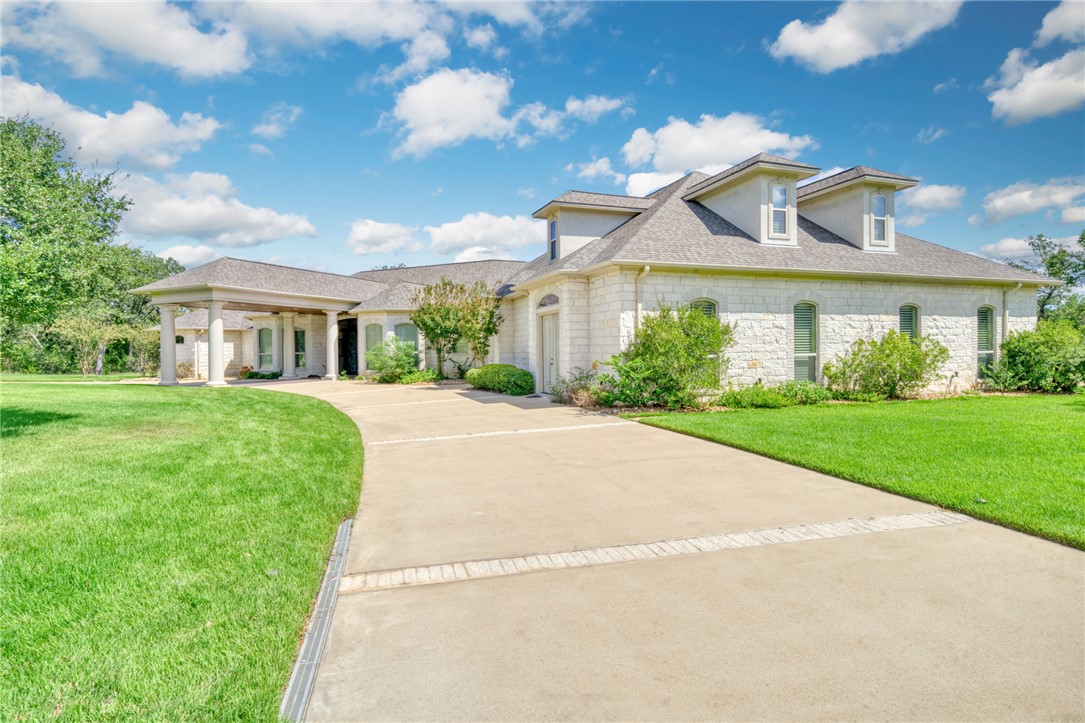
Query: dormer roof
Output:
(595,201)
(762,161)
(857,174)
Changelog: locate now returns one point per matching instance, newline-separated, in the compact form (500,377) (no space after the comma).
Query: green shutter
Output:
(985,339)
(805,334)
(909,321)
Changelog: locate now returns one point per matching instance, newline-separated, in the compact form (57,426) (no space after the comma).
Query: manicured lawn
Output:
(12,377)
(1017,461)
(161,547)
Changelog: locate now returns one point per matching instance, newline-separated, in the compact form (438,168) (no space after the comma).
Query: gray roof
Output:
(603,200)
(849,175)
(398,296)
(197,319)
(677,231)
(258,275)
(733,170)
(492,271)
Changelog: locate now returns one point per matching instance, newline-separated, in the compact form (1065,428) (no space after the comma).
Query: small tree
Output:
(480,319)
(85,334)
(143,349)
(438,315)
(1055,261)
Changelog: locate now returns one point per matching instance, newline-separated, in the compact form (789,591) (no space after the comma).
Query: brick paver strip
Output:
(595,556)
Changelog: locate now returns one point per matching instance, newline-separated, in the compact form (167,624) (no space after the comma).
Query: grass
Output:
(17,377)
(1018,461)
(161,547)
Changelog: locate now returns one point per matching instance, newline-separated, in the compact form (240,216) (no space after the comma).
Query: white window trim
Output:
(874,240)
(786,210)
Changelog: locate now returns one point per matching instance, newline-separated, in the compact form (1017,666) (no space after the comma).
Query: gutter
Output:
(636,293)
(1006,311)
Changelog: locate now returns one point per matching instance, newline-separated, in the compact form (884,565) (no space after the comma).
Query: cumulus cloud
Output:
(930,134)
(260,149)
(711,141)
(641,184)
(450,106)
(82,35)
(277,120)
(1018,248)
(1026,90)
(144,136)
(373,237)
(1065,22)
(1072,214)
(1023,197)
(425,50)
(920,202)
(189,256)
(597,168)
(202,206)
(858,31)
(483,235)
(480,37)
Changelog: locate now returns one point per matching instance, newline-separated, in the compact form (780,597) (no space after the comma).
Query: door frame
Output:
(543,317)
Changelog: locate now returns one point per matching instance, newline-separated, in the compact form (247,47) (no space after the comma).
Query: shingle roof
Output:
(609,200)
(398,296)
(492,271)
(238,273)
(684,232)
(759,158)
(851,174)
(197,319)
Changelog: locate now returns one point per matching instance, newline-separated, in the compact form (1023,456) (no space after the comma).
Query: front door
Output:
(550,372)
(348,347)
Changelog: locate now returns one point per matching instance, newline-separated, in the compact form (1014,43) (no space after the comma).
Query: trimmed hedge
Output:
(503,378)
(260,375)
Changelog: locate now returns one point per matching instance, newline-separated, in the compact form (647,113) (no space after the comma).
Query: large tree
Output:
(1055,261)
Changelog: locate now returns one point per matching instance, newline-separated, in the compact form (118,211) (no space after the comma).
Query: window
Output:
(878,211)
(985,340)
(779,210)
(264,354)
(909,321)
(707,307)
(179,339)
(299,348)
(806,342)
(553,239)
(407,333)
(461,347)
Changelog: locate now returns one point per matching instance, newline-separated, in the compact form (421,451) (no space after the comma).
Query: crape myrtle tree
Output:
(59,258)
(447,312)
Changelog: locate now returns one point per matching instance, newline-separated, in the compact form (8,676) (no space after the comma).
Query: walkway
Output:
(520,560)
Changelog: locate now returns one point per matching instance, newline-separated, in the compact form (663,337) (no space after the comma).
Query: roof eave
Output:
(800,172)
(545,211)
(897,184)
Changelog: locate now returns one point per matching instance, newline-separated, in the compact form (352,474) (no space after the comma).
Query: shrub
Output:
(1050,359)
(804,392)
(392,360)
(421,376)
(252,374)
(185,370)
(676,359)
(756,397)
(503,378)
(1000,376)
(895,366)
(576,388)
(462,367)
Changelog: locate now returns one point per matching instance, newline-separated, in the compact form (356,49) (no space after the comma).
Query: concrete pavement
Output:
(962,621)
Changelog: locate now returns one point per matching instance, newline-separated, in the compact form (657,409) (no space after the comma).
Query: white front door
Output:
(549,362)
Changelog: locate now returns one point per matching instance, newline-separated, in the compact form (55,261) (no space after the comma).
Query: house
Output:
(800,270)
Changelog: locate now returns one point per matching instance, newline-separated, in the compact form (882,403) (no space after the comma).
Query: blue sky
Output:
(346,136)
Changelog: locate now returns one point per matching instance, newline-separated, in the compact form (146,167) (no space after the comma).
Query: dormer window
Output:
(879,209)
(779,210)
(553,239)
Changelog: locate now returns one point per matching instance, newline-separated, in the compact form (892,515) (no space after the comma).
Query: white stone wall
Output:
(512,342)
(237,350)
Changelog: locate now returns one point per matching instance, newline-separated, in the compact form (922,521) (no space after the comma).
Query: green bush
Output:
(756,397)
(576,388)
(1050,359)
(676,360)
(894,367)
(392,360)
(422,376)
(260,375)
(804,392)
(503,378)
(1000,376)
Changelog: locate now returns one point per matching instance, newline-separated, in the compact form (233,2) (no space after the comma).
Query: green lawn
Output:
(161,548)
(1018,461)
(14,377)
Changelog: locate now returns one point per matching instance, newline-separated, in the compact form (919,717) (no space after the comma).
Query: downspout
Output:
(636,292)
(1006,312)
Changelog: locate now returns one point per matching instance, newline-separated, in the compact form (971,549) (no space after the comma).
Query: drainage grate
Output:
(300,687)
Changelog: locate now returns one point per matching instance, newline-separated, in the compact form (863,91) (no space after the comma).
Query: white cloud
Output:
(480,37)
(82,34)
(483,235)
(202,206)
(277,120)
(144,136)
(532,17)
(681,145)
(932,197)
(425,49)
(1018,248)
(1021,198)
(592,107)
(641,184)
(1072,214)
(1065,22)
(528,193)
(858,31)
(260,149)
(597,168)
(190,256)
(823,174)
(950,84)
(373,237)
(930,134)
(1026,90)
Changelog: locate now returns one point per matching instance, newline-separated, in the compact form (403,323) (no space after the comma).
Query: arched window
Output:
(708,307)
(179,339)
(779,210)
(985,340)
(805,337)
(909,321)
(549,300)
(879,211)
(263,359)
(408,333)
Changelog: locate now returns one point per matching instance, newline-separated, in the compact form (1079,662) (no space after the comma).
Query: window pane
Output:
(179,339)
(299,360)
(879,206)
(779,222)
(879,229)
(553,230)
(806,368)
(265,341)
(553,250)
(373,334)
(779,196)
(299,341)
(407,333)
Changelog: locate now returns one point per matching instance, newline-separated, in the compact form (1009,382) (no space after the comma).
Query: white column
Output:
(216,365)
(288,345)
(167,346)
(332,367)
(276,344)
(361,344)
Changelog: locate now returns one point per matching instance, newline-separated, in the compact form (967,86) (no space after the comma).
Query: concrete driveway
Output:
(514,559)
